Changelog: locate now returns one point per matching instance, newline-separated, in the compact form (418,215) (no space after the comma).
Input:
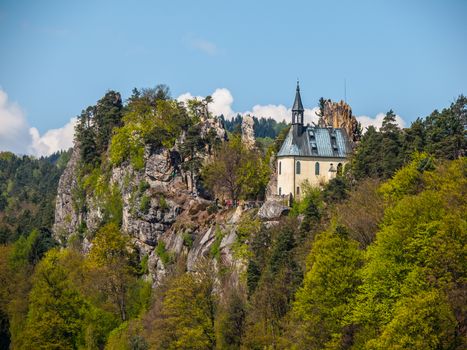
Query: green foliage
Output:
(30,250)
(247,227)
(163,205)
(113,207)
(423,321)
(187,239)
(324,303)
(144,265)
(145,204)
(95,126)
(215,249)
(191,151)
(336,190)
(28,187)
(230,321)
(148,121)
(110,267)
(407,180)
(187,314)
(273,276)
(263,128)
(56,311)
(163,254)
(417,249)
(441,134)
(143,186)
(236,171)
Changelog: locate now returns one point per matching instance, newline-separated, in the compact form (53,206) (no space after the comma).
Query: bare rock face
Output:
(157,206)
(339,115)
(248,133)
(66,218)
(213,126)
(272,210)
(271,188)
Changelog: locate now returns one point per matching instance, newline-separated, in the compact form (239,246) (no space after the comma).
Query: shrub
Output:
(163,254)
(163,203)
(215,247)
(145,204)
(187,239)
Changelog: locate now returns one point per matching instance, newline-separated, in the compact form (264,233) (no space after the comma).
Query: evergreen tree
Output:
(107,115)
(391,158)
(366,161)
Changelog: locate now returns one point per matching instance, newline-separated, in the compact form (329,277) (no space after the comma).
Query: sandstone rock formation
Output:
(339,115)
(248,133)
(272,210)
(175,215)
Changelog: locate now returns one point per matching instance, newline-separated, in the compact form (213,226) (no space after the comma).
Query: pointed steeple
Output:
(297,105)
(297,113)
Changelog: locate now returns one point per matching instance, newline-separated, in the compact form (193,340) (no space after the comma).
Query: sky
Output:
(58,57)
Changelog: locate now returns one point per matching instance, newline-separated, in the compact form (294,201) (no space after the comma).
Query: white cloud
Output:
(14,135)
(52,140)
(17,136)
(377,121)
(223,101)
(280,113)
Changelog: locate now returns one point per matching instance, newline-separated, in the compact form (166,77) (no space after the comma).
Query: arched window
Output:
(339,169)
(298,168)
(298,191)
(317,168)
(280,168)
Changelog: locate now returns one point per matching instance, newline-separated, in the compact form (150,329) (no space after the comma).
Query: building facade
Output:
(309,153)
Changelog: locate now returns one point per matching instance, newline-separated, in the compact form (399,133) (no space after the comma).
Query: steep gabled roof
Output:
(317,142)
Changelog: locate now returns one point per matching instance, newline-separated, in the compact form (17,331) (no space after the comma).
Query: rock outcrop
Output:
(272,210)
(172,212)
(66,217)
(248,133)
(339,115)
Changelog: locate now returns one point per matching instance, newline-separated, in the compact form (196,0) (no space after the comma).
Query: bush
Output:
(163,254)
(163,203)
(187,239)
(145,204)
(215,247)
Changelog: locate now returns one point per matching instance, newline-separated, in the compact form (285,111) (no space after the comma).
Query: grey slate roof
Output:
(316,142)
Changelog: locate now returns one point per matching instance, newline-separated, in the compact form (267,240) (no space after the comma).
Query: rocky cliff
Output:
(159,211)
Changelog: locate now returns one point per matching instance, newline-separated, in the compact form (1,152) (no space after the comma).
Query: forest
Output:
(373,260)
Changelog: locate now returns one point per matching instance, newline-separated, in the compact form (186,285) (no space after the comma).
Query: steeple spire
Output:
(297,113)
(297,105)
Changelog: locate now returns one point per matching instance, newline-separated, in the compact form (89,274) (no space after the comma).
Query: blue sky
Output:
(57,57)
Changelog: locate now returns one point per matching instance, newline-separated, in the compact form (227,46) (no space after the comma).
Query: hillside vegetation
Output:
(374,260)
